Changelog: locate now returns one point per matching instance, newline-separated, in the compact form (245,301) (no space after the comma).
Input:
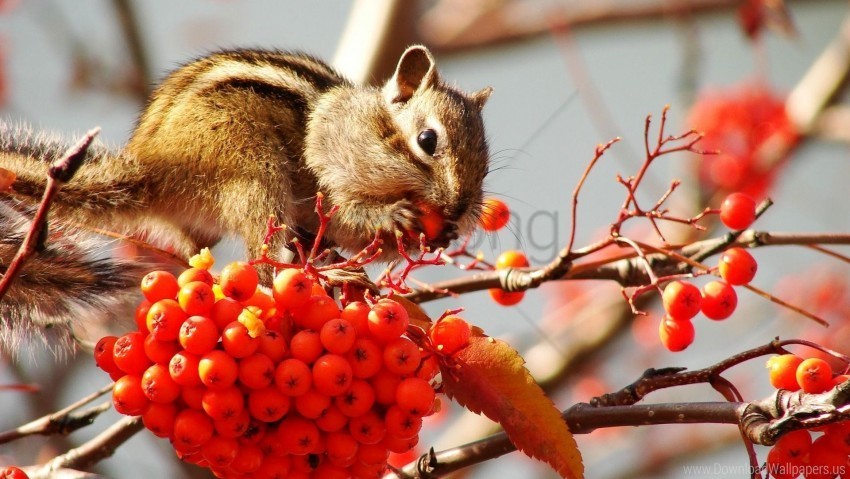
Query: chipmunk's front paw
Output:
(404,217)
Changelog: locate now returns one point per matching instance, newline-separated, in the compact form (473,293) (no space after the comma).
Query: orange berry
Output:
(312,404)
(357,400)
(256,371)
(195,274)
(196,298)
(164,319)
(158,418)
(192,428)
(291,288)
(719,300)
(814,375)
(225,311)
(682,300)
(198,335)
(237,340)
(239,280)
(218,370)
(158,285)
(737,266)
(160,351)
(782,370)
(357,313)
(183,369)
(511,259)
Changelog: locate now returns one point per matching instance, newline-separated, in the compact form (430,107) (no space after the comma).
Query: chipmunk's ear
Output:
(415,71)
(479,98)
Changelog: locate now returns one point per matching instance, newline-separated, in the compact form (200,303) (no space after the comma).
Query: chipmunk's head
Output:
(411,156)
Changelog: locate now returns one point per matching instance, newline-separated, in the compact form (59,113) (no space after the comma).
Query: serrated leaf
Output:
(490,378)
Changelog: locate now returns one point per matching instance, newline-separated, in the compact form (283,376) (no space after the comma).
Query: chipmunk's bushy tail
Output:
(72,282)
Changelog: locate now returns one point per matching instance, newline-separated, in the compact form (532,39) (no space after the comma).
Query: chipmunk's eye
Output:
(427,140)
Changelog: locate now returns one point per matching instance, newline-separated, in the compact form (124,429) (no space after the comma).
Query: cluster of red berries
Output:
(796,454)
(738,123)
(12,472)
(683,301)
(270,386)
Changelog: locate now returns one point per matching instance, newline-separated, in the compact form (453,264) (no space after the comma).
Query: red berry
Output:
(737,266)
(387,320)
(226,403)
(365,357)
(128,352)
(337,336)
(450,334)
(103,355)
(332,374)
(506,298)
(676,335)
(158,285)
(738,211)
(128,396)
(718,300)
(431,219)
(12,472)
(495,215)
(192,428)
(292,288)
(159,418)
(158,385)
(401,356)
(293,377)
(415,396)
(681,300)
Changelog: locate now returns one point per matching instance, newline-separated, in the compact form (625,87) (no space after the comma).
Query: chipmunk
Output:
(227,140)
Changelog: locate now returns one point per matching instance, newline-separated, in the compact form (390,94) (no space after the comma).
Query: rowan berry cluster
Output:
(12,472)
(270,386)
(796,453)
(717,300)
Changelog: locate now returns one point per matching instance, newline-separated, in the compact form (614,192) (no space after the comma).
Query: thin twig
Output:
(62,421)
(96,449)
